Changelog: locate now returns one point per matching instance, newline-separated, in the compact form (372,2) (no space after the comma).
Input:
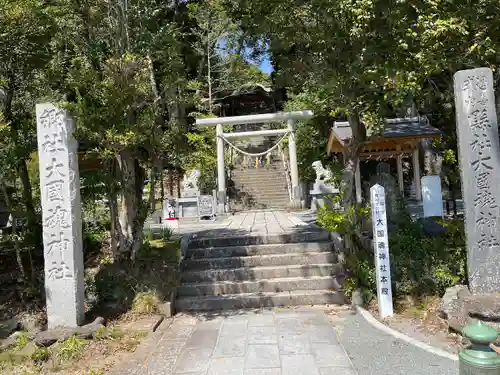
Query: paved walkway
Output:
(279,342)
(248,223)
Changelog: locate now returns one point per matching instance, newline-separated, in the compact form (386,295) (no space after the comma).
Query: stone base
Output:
(49,337)
(321,199)
(189,193)
(187,207)
(460,307)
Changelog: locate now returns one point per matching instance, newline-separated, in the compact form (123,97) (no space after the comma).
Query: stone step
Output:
(277,191)
(259,273)
(262,169)
(260,260)
(261,198)
(239,251)
(258,173)
(257,187)
(260,184)
(240,206)
(257,300)
(253,178)
(305,235)
(260,286)
(263,201)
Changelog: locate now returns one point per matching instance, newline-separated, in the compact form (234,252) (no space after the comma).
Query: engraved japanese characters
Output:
(61,215)
(478,144)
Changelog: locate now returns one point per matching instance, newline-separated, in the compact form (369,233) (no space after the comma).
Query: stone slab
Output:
(264,371)
(299,365)
(193,360)
(294,343)
(61,217)
(372,352)
(337,371)
(227,366)
(327,355)
(231,346)
(478,146)
(263,335)
(262,356)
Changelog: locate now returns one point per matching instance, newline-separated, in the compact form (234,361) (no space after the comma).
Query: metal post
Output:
(221,173)
(479,358)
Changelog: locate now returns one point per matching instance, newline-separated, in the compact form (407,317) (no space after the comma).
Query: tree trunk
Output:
(15,237)
(152,184)
(162,185)
(132,212)
(115,230)
(171,182)
(22,169)
(351,155)
(27,194)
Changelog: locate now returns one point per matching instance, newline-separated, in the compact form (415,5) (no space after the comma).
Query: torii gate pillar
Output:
(289,117)
(221,173)
(292,155)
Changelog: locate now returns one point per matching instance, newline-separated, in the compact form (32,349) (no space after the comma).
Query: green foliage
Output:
(153,272)
(340,221)
(420,265)
(40,355)
(145,303)
(345,222)
(203,157)
(21,341)
(71,349)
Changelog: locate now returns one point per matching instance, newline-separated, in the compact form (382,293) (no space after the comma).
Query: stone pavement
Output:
(298,341)
(251,223)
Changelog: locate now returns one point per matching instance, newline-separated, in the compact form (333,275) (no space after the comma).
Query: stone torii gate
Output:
(222,138)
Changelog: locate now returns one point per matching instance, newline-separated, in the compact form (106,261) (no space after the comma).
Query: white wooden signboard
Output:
(381,251)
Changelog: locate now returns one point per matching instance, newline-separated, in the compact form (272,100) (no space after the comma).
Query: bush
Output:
(71,349)
(121,287)
(421,265)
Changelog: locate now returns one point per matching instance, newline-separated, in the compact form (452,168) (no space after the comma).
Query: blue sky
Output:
(266,66)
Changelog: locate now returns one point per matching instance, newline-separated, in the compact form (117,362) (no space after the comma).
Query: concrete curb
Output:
(401,336)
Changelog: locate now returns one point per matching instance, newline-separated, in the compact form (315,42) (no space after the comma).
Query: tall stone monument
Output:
(61,215)
(479,155)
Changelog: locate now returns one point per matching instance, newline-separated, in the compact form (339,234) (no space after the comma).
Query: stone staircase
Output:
(260,188)
(223,273)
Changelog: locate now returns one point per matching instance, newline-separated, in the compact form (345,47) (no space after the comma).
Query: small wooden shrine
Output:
(399,139)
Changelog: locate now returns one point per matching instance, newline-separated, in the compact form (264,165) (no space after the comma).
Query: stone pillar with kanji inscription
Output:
(61,215)
(479,151)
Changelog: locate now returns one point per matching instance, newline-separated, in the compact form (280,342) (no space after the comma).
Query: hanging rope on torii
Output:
(256,155)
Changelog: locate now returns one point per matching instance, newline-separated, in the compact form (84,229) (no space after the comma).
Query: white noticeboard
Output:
(381,251)
(432,196)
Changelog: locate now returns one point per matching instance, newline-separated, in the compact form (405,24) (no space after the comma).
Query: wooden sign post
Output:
(381,251)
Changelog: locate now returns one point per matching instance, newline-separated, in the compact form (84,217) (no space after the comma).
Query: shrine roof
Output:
(396,131)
